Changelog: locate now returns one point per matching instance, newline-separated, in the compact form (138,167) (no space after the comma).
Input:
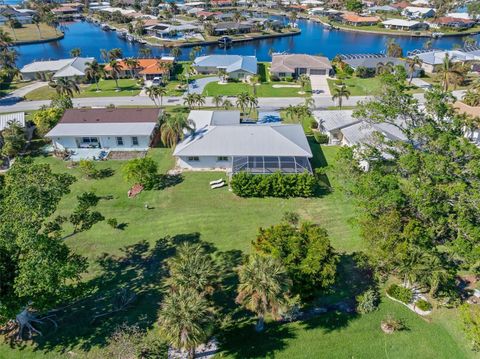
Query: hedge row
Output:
(402,294)
(245,184)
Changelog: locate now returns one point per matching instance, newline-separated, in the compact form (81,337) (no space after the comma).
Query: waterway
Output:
(314,39)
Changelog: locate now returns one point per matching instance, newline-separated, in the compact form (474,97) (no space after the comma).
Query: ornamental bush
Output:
(275,185)
(320,138)
(367,302)
(402,294)
(423,305)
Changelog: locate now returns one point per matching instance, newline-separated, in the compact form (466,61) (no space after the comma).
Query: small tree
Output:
(367,301)
(14,139)
(46,118)
(141,170)
(88,168)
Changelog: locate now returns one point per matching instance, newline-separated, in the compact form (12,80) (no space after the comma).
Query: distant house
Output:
(23,16)
(113,129)
(67,11)
(413,12)
(147,69)
(373,61)
(6,119)
(236,66)
(221,142)
(433,59)
(406,25)
(295,65)
(382,9)
(401,5)
(169,31)
(452,22)
(230,28)
(66,68)
(357,20)
(343,129)
(473,134)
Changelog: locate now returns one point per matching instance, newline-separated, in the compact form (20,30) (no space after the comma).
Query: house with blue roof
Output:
(237,67)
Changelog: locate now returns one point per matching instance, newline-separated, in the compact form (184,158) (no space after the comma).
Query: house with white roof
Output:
(221,142)
(67,68)
(432,59)
(6,119)
(331,123)
(414,12)
(406,25)
(125,129)
(236,66)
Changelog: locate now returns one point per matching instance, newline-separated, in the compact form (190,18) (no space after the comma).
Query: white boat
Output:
(130,38)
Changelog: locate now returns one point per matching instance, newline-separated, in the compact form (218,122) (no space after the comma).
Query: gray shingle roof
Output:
(230,63)
(335,120)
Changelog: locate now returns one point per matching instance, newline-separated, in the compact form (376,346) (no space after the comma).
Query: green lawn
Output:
(8,87)
(263,90)
(128,87)
(133,257)
(30,32)
(364,87)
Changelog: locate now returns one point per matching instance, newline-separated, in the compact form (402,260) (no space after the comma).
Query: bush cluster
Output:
(402,294)
(275,185)
(320,138)
(368,301)
(423,305)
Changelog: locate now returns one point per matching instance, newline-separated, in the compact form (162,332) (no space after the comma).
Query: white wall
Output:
(204,163)
(105,142)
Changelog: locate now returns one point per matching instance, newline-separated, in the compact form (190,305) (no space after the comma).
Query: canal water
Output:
(314,39)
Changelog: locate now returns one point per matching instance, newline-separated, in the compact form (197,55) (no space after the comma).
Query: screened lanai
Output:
(270,164)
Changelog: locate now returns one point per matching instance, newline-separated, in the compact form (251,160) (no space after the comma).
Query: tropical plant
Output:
(227,104)
(176,52)
(339,93)
(190,100)
(75,52)
(132,64)
(413,63)
(471,97)
(13,138)
(65,86)
(156,93)
(114,71)
(450,73)
(94,71)
(393,49)
(173,129)
(304,81)
(141,170)
(263,287)
(367,302)
(217,100)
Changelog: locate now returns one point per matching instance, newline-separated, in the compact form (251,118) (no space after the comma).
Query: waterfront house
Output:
(236,66)
(373,62)
(357,20)
(109,128)
(65,68)
(221,142)
(433,59)
(67,11)
(452,22)
(381,9)
(406,25)
(232,28)
(147,69)
(294,65)
(413,12)
(171,32)
(23,17)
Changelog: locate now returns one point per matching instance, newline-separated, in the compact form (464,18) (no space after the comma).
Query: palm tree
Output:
(166,67)
(309,102)
(65,87)
(412,64)
(12,23)
(222,74)
(382,68)
(176,52)
(132,64)
(93,71)
(340,92)
(190,100)
(199,100)
(104,55)
(243,101)
(471,98)
(114,71)
(36,20)
(145,52)
(263,288)
(184,318)
(254,81)
(5,39)
(173,128)
(450,73)
(217,100)
(156,92)
(192,267)
(427,45)
(227,104)
(393,49)
(252,102)
(75,52)
(115,54)
(303,80)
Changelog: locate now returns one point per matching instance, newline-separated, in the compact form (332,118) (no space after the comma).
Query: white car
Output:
(156,81)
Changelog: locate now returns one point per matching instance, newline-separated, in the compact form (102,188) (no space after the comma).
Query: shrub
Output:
(423,305)
(88,168)
(367,302)
(275,185)
(313,124)
(470,315)
(112,222)
(291,218)
(141,170)
(402,294)
(321,138)
(363,72)
(390,324)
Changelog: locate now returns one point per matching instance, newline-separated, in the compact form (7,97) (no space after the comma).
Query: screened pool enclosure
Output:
(270,164)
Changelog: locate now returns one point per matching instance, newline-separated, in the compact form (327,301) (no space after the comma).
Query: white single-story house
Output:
(294,65)
(108,128)
(432,59)
(331,123)
(236,66)
(5,119)
(67,68)
(414,12)
(221,142)
(407,25)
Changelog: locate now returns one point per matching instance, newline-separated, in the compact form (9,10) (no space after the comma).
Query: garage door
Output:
(318,72)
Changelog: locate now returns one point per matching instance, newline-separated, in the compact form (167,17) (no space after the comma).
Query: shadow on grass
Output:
(139,270)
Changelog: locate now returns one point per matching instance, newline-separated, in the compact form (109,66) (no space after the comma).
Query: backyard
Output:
(132,258)
(30,32)
(364,86)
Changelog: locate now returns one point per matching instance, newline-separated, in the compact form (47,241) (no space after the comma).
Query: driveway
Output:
(319,85)
(18,94)
(197,86)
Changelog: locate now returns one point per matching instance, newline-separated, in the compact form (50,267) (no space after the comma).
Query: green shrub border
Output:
(402,294)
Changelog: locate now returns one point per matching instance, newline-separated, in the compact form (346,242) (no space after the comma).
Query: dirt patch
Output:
(126,155)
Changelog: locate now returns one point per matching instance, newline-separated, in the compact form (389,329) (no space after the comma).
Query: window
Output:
(135,141)
(90,140)
(119,141)
(222,158)
(193,158)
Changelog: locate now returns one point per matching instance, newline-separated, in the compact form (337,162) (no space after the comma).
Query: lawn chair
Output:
(216,182)
(218,185)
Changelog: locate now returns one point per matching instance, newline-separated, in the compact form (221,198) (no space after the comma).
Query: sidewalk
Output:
(21,92)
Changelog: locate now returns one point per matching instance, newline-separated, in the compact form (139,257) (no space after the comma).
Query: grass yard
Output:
(364,87)
(263,90)
(8,87)
(132,258)
(128,87)
(30,32)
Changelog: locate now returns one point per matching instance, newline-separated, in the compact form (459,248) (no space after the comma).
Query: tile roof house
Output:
(114,129)
(357,20)
(147,68)
(220,141)
(67,68)
(294,65)
(457,23)
(236,66)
